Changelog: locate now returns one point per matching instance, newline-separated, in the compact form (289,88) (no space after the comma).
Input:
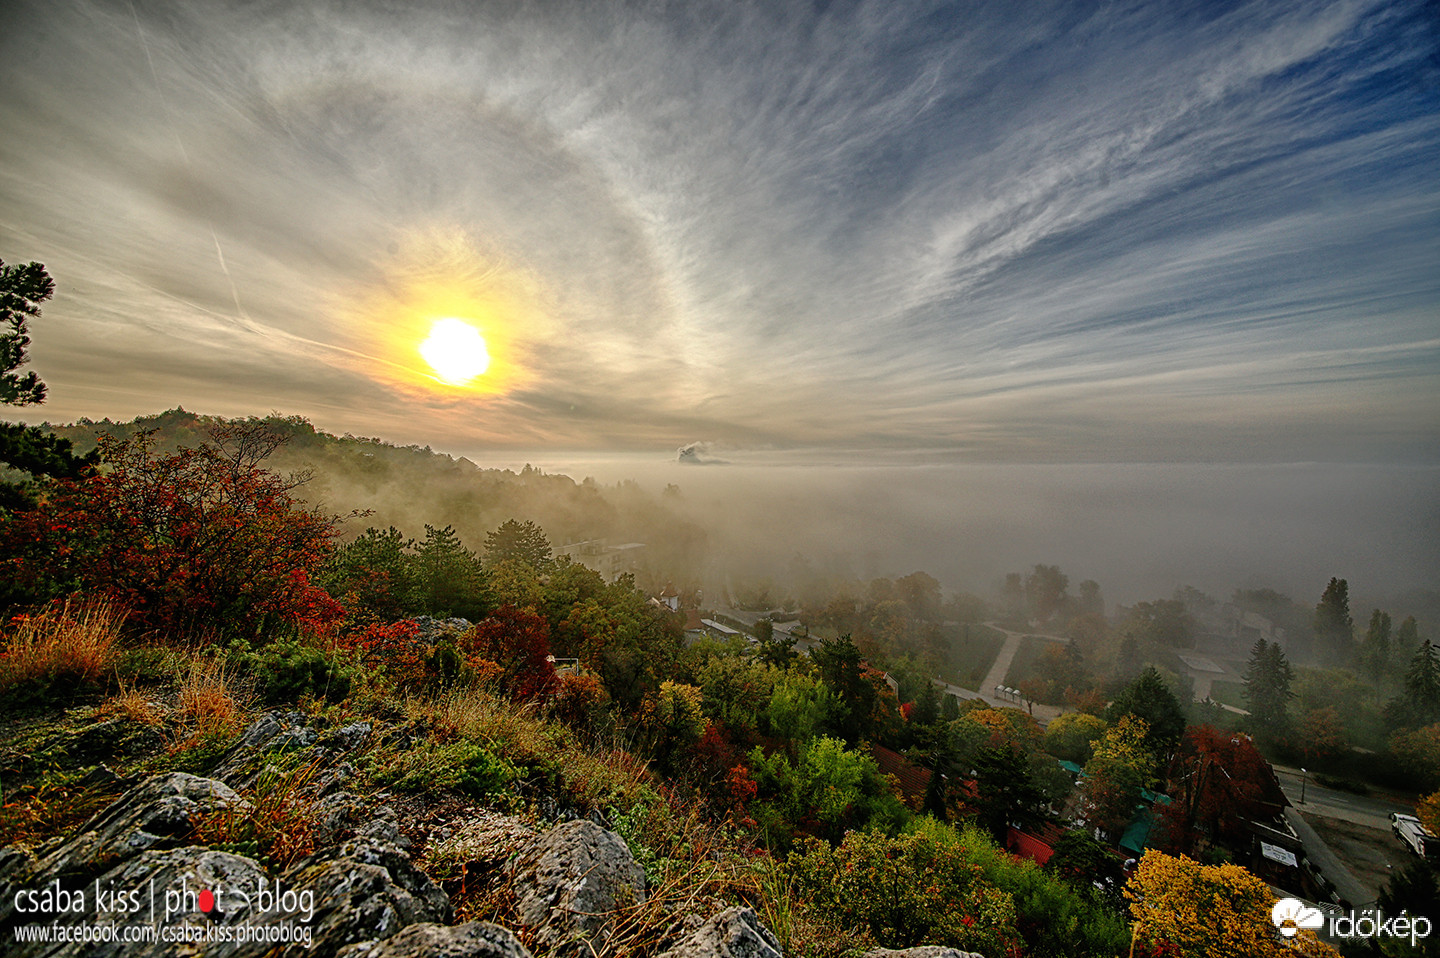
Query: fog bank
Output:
(1137,529)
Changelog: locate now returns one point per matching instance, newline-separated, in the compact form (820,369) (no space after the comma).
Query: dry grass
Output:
(590,779)
(278,824)
(70,641)
(134,705)
(211,703)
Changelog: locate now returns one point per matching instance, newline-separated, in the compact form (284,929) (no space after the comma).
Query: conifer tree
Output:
(1267,686)
(23,288)
(1375,653)
(1334,629)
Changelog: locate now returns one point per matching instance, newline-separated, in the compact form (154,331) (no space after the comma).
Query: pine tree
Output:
(1375,652)
(1268,677)
(516,540)
(27,448)
(1334,629)
(1420,702)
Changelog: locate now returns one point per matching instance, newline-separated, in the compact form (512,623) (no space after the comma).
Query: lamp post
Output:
(1304,777)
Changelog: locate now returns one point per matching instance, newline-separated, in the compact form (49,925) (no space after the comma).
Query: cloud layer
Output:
(1084,231)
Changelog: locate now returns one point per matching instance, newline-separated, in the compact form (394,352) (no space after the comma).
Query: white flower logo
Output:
(1292,914)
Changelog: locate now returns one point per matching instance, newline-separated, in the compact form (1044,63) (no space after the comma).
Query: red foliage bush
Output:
(200,539)
(518,640)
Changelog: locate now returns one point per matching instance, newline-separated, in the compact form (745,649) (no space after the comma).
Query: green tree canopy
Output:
(1150,699)
(1334,629)
(524,541)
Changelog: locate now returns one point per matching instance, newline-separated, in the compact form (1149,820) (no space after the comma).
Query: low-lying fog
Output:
(1138,529)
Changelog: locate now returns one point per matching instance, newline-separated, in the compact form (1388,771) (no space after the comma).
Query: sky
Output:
(1049,232)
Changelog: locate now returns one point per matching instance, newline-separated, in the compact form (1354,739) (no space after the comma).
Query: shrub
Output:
(199,538)
(461,765)
(286,671)
(904,891)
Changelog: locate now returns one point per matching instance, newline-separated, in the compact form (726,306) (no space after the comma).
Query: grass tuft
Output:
(75,642)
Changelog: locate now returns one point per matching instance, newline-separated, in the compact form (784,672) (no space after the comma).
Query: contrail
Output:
(234,292)
(185,155)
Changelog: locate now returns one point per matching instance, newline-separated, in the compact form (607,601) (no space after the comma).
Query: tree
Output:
(1115,774)
(203,538)
(1268,677)
(1150,699)
(1334,629)
(1006,790)
(1092,602)
(518,641)
(27,448)
(1420,702)
(1088,865)
(374,576)
(1322,733)
(1045,591)
(1162,622)
(1208,911)
(1428,811)
(842,671)
(1375,651)
(1413,890)
(1218,782)
(448,577)
(1418,752)
(516,540)
(1407,638)
(1072,736)
(22,289)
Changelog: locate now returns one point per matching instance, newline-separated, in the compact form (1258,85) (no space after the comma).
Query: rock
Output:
(271,732)
(124,908)
(921,951)
(349,737)
(335,817)
(157,814)
(570,880)
(362,891)
(733,933)
(478,939)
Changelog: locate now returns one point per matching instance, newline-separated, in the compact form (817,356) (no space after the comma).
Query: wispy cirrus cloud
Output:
(1076,230)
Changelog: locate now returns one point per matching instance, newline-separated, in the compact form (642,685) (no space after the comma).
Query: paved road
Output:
(1372,811)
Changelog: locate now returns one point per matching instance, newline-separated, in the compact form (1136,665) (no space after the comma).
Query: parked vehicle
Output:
(1415,836)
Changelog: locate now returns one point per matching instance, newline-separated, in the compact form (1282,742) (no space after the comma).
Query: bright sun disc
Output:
(456,351)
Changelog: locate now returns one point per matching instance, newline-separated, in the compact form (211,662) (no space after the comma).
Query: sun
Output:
(456,351)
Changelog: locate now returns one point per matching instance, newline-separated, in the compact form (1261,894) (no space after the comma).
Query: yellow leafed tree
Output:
(1209,911)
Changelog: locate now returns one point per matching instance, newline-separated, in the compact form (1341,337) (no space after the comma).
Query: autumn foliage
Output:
(199,539)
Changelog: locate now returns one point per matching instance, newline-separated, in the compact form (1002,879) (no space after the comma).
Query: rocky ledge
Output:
(133,882)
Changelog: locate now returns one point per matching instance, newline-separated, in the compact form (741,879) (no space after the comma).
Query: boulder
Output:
(733,933)
(362,891)
(153,890)
(155,815)
(569,882)
(478,939)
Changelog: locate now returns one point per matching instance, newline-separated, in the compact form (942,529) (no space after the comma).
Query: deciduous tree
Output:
(1121,766)
(1208,911)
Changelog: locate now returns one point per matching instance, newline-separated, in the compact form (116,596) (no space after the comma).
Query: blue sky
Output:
(1055,232)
